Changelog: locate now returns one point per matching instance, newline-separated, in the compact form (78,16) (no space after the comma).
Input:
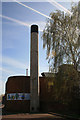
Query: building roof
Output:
(48,74)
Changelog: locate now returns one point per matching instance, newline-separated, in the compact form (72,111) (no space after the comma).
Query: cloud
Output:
(14,20)
(25,1)
(6,70)
(33,9)
(13,63)
(2,79)
(2,87)
(40,1)
(54,3)
(9,23)
(44,68)
(41,24)
(10,70)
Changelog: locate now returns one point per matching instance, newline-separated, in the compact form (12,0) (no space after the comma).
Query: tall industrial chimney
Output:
(34,70)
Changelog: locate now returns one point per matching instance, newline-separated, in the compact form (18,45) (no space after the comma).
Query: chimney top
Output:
(34,28)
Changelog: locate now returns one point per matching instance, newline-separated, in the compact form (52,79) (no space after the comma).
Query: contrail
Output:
(53,2)
(33,9)
(14,20)
(17,21)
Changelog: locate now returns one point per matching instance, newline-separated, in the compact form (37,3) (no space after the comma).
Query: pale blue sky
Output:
(16,37)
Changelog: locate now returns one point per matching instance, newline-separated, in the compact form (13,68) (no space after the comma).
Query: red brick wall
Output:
(18,84)
(21,84)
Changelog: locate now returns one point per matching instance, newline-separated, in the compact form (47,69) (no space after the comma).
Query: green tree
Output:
(61,36)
